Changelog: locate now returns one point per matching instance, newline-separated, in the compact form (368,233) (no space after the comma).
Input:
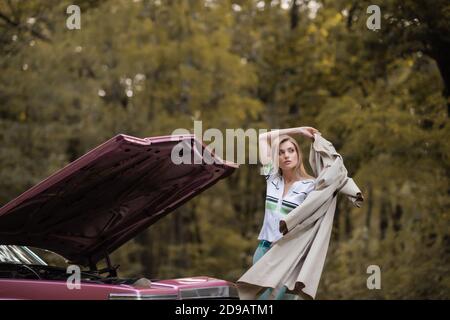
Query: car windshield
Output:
(53,268)
(19,255)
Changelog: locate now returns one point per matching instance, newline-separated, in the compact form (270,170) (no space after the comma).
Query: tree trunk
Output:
(441,54)
(294,14)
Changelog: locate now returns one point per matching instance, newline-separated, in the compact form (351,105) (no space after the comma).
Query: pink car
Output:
(94,205)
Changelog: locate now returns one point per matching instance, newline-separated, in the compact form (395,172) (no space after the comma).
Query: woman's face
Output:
(287,156)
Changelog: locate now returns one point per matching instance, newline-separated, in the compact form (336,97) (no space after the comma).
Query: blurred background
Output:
(148,67)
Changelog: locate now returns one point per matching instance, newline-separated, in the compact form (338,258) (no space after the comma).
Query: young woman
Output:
(288,185)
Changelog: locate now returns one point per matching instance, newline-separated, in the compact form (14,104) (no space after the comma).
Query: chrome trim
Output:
(138,296)
(34,255)
(210,293)
(165,285)
(19,255)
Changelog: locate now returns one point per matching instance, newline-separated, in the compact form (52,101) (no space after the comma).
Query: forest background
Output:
(146,68)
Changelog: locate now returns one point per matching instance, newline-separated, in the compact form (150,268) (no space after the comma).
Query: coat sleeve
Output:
(315,203)
(351,190)
(331,178)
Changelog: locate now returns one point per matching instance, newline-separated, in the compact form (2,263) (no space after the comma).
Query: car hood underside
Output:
(103,199)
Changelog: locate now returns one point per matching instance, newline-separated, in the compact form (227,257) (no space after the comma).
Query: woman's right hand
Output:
(308,131)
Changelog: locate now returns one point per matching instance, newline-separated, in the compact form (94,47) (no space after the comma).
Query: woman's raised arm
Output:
(265,140)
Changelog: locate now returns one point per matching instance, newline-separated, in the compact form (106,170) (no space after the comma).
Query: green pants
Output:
(282,295)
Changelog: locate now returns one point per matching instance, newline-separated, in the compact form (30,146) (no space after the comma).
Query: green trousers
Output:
(282,295)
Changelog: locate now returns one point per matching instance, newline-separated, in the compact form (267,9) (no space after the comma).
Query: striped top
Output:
(277,206)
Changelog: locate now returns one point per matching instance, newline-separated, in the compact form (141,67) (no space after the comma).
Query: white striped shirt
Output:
(276,207)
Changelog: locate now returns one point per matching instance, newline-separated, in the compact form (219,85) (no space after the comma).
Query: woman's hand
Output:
(265,140)
(283,227)
(308,131)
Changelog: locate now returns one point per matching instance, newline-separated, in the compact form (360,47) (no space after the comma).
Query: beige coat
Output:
(297,259)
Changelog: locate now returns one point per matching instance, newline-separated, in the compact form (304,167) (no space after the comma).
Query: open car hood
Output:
(106,197)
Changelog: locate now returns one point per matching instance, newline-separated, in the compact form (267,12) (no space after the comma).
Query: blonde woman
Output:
(288,185)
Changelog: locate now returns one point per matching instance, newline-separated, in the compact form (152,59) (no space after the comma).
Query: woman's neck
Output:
(290,176)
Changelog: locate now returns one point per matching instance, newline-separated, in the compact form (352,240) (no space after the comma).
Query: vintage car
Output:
(94,205)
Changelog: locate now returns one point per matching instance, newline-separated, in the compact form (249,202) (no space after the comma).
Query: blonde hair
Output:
(275,155)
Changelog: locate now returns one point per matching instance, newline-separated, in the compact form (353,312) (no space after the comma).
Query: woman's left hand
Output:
(308,131)
(283,227)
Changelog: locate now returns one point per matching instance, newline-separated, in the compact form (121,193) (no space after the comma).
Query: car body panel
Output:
(14,289)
